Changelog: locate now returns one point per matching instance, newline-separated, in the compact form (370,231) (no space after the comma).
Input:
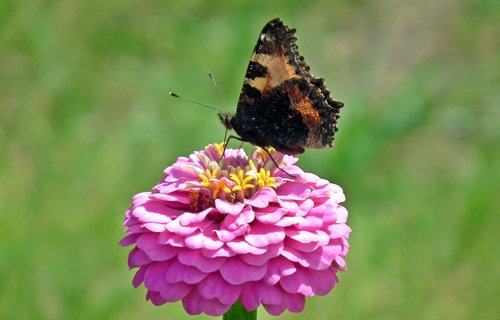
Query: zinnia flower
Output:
(216,230)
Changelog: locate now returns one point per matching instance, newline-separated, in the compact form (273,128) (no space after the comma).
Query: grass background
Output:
(86,122)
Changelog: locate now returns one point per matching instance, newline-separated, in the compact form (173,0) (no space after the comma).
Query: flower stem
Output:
(238,312)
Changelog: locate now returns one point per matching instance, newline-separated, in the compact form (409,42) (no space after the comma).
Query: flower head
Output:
(213,232)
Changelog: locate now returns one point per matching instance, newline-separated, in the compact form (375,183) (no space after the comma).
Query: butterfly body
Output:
(282,105)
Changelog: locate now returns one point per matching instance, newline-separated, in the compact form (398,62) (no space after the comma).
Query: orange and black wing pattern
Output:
(282,105)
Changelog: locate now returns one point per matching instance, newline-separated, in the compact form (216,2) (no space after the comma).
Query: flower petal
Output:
(293,191)
(237,272)
(214,286)
(154,250)
(226,207)
(309,282)
(262,235)
(180,272)
(262,198)
(194,304)
(270,214)
(245,216)
(260,259)
(205,240)
(196,259)
(279,267)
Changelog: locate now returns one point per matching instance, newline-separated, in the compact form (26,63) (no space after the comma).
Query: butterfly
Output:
(282,105)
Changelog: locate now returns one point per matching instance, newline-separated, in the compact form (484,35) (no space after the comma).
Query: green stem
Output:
(238,312)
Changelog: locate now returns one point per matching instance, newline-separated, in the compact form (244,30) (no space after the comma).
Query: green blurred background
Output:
(86,122)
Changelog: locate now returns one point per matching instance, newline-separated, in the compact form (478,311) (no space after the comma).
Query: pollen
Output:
(194,196)
(220,147)
(263,154)
(214,182)
(236,183)
(242,181)
(264,179)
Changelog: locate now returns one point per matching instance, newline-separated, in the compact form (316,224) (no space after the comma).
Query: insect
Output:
(282,105)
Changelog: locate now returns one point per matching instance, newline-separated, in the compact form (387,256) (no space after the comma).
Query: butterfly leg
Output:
(277,166)
(226,142)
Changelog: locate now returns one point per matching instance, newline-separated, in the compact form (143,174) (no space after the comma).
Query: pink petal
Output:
(341,214)
(154,278)
(310,223)
(223,252)
(262,235)
(137,228)
(262,198)
(186,171)
(245,216)
(179,272)
(139,276)
(172,292)
(290,205)
(339,231)
(175,227)
(205,240)
(226,207)
(323,257)
(226,235)
(194,304)
(214,286)
(310,178)
(260,259)
(196,259)
(155,298)
(137,258)
(128,240)
(299,246)
(340,263)
(243,247)
(277,268)
(172,199)
(305,207)
(237,272)
(290,221)
(140,198)
(172,239)
(270,214)
(254,293)
(293,191)
(302,235)
(193,218)
(295,256)
(275,309)
(154,227)
(309,282)
(155,251)
(152,211)
(296,302)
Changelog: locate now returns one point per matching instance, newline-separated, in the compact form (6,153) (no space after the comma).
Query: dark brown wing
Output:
(281,104)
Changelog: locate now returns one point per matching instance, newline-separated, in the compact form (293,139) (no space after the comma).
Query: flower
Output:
(216,230)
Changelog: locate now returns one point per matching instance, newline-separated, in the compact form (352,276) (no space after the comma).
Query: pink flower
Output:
(213,232)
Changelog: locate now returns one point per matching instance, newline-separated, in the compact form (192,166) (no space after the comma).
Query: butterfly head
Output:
(225,118)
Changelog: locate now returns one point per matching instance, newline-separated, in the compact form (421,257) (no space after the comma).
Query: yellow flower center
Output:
(211,180)
(236,183)
(220,147)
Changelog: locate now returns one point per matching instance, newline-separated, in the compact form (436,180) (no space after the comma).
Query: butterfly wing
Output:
(281,104)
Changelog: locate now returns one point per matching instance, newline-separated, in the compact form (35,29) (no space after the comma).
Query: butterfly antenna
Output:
(218,89)
(193,101)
